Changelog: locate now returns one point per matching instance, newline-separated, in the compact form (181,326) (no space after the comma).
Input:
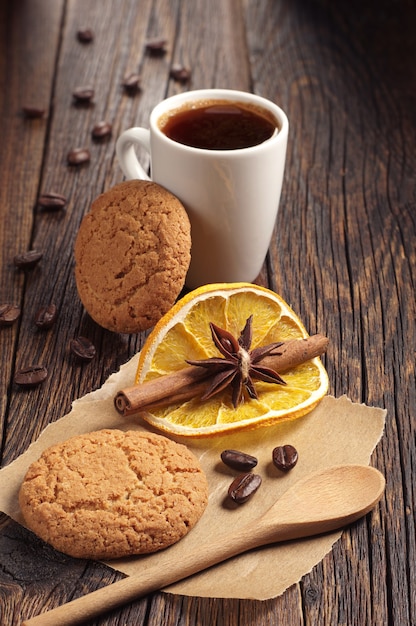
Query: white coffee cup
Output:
(231,196)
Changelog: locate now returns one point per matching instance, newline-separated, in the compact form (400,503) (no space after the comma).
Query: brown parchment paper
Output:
(336,432)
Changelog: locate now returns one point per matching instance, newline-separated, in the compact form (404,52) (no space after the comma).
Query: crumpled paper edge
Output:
(260,574)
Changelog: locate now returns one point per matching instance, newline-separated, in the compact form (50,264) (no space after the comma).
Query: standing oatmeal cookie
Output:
(110,494)
(132,255)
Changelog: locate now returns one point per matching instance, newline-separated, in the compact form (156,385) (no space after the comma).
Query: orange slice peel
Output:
(184,334)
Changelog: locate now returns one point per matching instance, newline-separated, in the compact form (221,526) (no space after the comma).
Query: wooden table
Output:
(342,253)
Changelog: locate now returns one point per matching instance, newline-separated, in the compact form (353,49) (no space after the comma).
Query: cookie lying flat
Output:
(110,494)
(132,254)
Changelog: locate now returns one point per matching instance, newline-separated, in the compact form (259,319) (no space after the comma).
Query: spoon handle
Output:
(150,579)
(155,577)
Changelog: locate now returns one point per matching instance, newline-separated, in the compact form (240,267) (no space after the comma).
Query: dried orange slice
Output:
(184,334)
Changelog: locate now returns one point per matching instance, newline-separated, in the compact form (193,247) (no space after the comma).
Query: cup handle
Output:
(126,154)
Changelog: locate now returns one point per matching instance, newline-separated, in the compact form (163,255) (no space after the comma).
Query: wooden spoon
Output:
(324,501)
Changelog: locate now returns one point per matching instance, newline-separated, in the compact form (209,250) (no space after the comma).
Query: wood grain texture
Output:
(342,254)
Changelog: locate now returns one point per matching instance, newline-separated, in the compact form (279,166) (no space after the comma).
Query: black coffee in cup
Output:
(219,125)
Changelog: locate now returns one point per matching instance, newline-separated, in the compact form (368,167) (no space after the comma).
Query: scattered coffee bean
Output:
(285,457)
(45,316)
(131,83)
(33,112)
(102,130)
(243,487)
(31,376)
(27,260)
(180,74)
(51,201)
(156,47)
(238,460)
(9,313)
(83,95)
(85,35)
(82,348)
(78,156)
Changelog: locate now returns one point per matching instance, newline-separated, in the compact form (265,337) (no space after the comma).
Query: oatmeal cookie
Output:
(110,494)
(132,254)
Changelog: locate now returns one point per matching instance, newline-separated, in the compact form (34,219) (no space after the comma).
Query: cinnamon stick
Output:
(191,381)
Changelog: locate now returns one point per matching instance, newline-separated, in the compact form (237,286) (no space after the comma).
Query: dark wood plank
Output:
(211,42)
(28,46)
(53,281)
(346,78)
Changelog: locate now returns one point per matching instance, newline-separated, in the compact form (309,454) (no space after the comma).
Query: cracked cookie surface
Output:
(110,494)
(132,254)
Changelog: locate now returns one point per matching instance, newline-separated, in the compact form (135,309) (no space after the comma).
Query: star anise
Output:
(240,365)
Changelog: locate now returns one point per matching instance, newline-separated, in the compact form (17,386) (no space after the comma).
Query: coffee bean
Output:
(180,74)
(33,112)
(51,201)
(101,130)
(285,457)
(243,487)
(238,460)
(83,95)
(82,348)
(156,47)
(31,376)
(78,156)
(9,313)
(45,316)
(27,260)
(131,82)
(85,35)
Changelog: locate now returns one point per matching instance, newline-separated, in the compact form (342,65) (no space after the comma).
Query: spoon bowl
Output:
(322,502)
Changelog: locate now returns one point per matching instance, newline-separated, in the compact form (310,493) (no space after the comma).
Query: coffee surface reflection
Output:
(216,125)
